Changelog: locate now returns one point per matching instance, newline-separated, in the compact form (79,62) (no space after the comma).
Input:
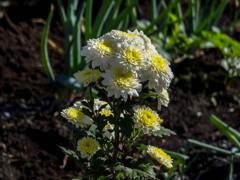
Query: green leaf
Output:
(142,147)
(229,132)
(62,12)
(120,17)
(221,125)
(101,18)
(163,132)
(69,152)
(77,60)
(154,9)
(176,155)
(135,173)
(160,16)
(119,176)
(88,19)
(210,147)
(44,52)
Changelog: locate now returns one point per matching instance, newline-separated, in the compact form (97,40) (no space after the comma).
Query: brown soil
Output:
(31,128)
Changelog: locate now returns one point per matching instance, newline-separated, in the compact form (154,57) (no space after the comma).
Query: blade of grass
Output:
(194,6)
(121,16)
(223,126)
(165,20)
(210,147)
(44,52)
(186,166)
(180,17)
(170,172)
(154,9)
(206,22)
(77,38)
(160,16)
(88,19)
(231,25)
(176,155)
(230,174)
(68,31)
(230,133)
(125,23)
(222,7)
(62,12)
(134,16)
(71,11)
(209,11)
(114,12)
(101,18)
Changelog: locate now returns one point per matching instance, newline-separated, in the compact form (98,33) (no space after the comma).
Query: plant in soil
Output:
(108,129)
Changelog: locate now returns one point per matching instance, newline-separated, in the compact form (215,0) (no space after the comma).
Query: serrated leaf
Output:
(77,131)
(163,132)
(134,173)
(69,152)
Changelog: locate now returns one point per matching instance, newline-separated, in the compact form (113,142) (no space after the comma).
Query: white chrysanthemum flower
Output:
(131,58)
(160,156)
(159,73)
(146,120)
(98,51)
(147,42)
(121,84)
(163,99)
(108,131)
(87,147)
(119,37)
(76,117)
(88,76)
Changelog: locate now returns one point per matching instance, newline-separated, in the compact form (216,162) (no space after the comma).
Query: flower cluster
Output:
(126,61)
(125,70)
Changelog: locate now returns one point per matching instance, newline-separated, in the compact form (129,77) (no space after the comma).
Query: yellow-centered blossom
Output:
(99,52)
(87,147)
(88,76)
(158,74)
(76,117)
(160,156)
(146,120)
(122,84)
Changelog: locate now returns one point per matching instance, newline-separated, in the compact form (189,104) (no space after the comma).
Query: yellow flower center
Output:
(88,145)
(133,56)
(75,113)
(150,118)
(88,73)
(123,80)
(105,46)
(159,62)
